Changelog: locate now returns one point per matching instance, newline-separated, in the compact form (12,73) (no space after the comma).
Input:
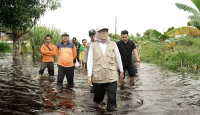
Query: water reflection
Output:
(156,91)
(55,101)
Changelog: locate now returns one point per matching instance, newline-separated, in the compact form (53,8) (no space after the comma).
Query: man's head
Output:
(65,37)
(48,38)
(84,41)
(74,39)
(92,33)
(103,32)
(124,35)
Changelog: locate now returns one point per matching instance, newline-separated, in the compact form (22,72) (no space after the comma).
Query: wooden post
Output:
(33,47)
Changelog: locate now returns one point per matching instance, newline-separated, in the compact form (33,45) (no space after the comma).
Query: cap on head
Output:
(74,38)
(92,31)
(101,28)
(65,34)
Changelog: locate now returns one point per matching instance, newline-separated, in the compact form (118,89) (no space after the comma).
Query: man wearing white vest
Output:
(102,63)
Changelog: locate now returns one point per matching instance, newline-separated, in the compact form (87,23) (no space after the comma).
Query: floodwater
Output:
(156,92)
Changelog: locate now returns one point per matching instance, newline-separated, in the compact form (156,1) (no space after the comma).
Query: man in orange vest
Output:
(48,51)
(66,53)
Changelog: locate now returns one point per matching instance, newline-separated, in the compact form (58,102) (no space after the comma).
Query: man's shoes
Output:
(51,78)
(70,85)
(132,80)
(111,109)
(59,87)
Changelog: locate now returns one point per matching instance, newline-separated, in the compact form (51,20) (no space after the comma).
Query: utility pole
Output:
(115,29)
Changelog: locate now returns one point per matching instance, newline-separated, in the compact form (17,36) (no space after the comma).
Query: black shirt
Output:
(126,50)
(78,45)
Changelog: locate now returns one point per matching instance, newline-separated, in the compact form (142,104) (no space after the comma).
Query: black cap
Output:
(92,31)
(74,38)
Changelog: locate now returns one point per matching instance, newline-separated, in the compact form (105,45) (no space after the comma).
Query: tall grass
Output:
(38,33)
(184,57)
(4,46)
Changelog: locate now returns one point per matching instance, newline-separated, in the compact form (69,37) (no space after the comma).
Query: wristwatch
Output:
(138,61)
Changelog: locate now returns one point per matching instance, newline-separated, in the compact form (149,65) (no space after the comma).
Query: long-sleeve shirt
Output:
(103,48)
(47,54)
(66,54)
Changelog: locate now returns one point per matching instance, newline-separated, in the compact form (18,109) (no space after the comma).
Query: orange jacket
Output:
(47,54)
(66,54)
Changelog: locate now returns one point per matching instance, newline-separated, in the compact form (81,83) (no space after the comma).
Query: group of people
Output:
(101,58)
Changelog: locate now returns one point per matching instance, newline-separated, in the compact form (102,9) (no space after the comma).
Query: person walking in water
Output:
(103,58)
(91,35)
(81,50)
(66,53)
(126,47)
(48,51)
(77,45)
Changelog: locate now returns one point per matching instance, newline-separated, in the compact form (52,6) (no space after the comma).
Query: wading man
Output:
(92,33)
(66,53)
(77,45)
(48,51)
(126,47)
(103,58)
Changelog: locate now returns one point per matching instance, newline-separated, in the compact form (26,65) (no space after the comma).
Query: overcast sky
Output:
(77,17)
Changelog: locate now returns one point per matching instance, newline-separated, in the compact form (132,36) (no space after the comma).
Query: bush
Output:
(4,46)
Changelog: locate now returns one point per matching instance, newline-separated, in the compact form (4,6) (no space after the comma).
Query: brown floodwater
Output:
(156,92)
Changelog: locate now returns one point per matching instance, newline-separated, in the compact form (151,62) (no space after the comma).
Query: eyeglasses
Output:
(103,31)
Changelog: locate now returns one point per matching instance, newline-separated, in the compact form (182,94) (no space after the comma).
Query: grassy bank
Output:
(184,57)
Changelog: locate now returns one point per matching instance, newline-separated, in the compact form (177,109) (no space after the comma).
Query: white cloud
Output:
(77,17)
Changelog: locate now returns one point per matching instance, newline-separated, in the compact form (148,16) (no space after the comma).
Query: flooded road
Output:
(156,92)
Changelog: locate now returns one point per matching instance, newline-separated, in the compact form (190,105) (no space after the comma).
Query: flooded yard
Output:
(156,92)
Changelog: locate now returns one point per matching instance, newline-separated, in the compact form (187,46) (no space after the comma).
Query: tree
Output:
(17,17)
(148,32)
(195,18)
(138,34)
(184,31)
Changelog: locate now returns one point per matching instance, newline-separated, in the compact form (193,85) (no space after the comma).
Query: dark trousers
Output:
(129,68)
(68,71)
(75,60)
(99,92)
(49,66)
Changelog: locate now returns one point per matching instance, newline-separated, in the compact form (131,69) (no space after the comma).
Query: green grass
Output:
(4,47)
(184,57)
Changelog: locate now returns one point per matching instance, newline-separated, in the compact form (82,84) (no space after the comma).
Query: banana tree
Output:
(187,30)
(195,18)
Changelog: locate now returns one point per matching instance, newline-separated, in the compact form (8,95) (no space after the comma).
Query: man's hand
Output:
(121,77)
(138,64)
(89,81)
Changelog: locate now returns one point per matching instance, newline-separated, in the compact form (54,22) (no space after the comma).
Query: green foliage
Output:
(148,32)
(4,46)
(184,57)
(195,18)
(17,17)
(38,33)
(20,15)
(197,3)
